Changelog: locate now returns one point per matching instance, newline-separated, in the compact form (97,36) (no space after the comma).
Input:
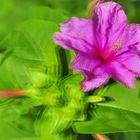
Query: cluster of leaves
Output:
(53,106)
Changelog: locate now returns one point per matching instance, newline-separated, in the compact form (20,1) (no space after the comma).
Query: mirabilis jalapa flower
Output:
(106,46)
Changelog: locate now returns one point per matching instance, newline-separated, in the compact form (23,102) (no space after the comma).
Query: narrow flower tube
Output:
(10,93)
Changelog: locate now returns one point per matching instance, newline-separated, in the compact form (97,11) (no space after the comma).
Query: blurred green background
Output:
(13,12)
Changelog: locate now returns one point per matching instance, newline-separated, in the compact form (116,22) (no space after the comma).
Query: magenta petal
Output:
(132,40)
(71,43)
(84,62)
(105,48)
(120,74)
(79,28)
(94,81)
(133,35)
(109,22)
(132,63)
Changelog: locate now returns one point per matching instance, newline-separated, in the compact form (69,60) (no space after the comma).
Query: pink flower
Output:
(106,47)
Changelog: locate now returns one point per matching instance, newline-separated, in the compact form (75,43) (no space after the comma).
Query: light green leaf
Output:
(5,7)
(121,114)
(31,56)
(57,118)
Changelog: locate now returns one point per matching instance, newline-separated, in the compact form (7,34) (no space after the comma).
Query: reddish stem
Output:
(100,137)
(10,93)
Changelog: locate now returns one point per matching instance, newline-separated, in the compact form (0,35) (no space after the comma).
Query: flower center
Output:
(104,55)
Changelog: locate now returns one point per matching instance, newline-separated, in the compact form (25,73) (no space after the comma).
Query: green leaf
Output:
(77,7)
(26,138)
(31,57)
(121,114)
(17,117)
(35,9)
(46,13)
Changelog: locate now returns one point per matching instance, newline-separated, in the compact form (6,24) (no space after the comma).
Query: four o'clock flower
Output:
(106,46)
